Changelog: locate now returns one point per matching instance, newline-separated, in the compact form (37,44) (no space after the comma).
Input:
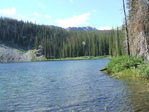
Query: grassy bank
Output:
(128,66)
(42,58)
(79,58)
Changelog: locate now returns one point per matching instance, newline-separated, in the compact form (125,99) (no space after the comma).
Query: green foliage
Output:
(121,63)
(57,42)
(128,66)
(143,71)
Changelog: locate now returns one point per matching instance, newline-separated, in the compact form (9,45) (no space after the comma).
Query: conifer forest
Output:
(60,43)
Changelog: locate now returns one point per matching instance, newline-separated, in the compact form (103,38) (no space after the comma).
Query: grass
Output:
(79,58)
(128,66)
(42,58)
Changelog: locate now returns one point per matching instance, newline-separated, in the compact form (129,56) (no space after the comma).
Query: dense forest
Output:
(60,43)
(56,42)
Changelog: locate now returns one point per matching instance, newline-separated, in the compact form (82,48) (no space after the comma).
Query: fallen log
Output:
(103,69)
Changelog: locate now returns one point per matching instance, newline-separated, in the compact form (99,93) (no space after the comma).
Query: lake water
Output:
(68,86)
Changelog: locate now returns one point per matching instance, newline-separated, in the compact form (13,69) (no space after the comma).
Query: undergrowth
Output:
(128,66)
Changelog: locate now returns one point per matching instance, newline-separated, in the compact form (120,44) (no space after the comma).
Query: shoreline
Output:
(39,59)
(79,58)
(127,66)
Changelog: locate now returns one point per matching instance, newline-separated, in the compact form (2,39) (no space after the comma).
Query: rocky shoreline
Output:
(10,54)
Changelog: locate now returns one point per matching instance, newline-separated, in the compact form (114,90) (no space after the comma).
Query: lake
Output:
(66,86)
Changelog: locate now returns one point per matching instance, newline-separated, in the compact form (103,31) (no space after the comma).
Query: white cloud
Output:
(25,18)
(11,11)
(86,23)
(32,20)
(22,16)
(73,21)
(47,16)
(105,28)
(36,14)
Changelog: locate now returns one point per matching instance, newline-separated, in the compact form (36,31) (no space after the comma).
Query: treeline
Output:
(60,43)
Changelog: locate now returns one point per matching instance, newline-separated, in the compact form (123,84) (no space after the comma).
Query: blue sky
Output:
(101,14)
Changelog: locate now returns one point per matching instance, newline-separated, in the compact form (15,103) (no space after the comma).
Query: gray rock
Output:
(39,51)
(9,54)
(87,29)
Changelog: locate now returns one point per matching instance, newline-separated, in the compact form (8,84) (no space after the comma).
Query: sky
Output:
(101,14)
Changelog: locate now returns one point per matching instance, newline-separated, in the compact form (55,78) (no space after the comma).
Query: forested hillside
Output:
(57,42)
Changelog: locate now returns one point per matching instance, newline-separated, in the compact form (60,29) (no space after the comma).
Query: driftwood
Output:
(103,69)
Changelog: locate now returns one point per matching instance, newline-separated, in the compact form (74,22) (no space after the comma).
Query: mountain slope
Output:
(9,54)
(87,29)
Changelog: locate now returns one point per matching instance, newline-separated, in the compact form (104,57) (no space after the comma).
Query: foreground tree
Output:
(126,28)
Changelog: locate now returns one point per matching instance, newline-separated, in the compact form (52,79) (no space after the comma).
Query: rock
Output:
(9,54)
(139,46)
(39,51)
(87,29)
(138,30)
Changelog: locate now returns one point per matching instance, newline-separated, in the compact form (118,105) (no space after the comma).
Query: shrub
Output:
(143,71)
(118,64)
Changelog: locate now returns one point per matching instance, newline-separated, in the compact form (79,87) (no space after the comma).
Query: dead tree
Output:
(126,28)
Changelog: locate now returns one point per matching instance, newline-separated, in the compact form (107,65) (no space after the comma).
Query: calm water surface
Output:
(66,86)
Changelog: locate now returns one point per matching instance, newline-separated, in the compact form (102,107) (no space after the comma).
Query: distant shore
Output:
(11,54)
(80,58)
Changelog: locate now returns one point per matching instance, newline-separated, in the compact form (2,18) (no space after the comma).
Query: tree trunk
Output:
(126,28)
